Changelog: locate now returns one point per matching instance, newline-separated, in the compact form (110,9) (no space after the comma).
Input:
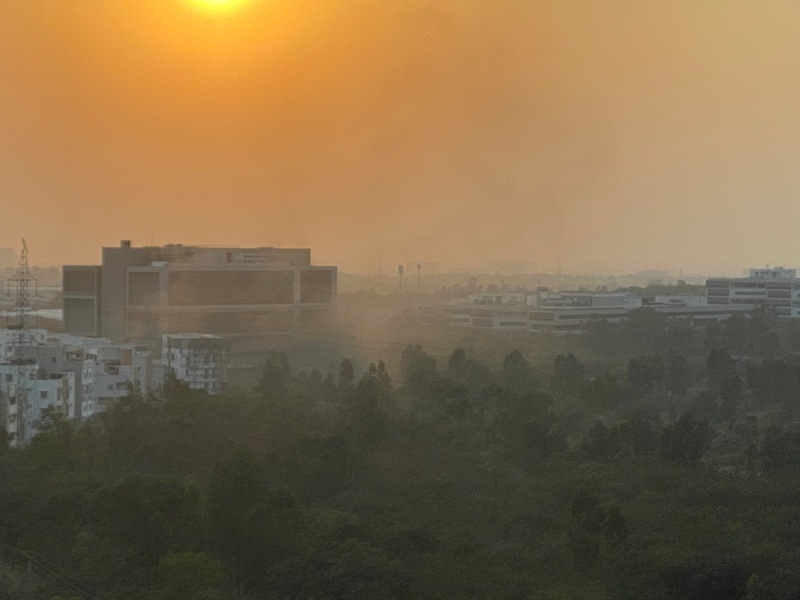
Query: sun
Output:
(219,7)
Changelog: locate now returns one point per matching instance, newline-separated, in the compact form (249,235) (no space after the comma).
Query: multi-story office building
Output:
(778,288)
(143,293)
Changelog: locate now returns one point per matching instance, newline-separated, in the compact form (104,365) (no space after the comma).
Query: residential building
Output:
(26,392)
(118,369)
(198,359)
(10,338)
(102,371)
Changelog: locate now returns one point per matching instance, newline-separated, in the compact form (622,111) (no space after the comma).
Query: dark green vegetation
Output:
(673,473)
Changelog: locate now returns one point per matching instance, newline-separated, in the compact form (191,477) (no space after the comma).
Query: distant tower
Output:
(22,316)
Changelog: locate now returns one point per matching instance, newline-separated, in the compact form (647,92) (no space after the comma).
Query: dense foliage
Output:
(672,476)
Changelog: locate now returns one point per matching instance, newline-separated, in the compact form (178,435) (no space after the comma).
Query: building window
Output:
(43,394)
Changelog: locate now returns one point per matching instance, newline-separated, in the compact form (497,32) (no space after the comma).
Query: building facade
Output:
(777,288)
(201,360)
(26,392)
(563,313)
(143,293)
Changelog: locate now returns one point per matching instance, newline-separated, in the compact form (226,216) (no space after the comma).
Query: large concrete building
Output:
(143,293)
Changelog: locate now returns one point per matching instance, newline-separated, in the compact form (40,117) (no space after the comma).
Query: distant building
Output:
(143,293)
(777,288)
(561,313)
(201,360)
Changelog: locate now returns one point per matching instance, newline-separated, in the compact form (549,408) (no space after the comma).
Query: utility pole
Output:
(419,276)
(400,276)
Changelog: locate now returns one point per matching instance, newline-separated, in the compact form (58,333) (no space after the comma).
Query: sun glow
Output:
(219,7)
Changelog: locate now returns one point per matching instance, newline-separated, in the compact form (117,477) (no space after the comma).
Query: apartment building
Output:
(201,360)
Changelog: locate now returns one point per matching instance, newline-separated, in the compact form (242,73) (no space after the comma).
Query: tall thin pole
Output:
(400,277)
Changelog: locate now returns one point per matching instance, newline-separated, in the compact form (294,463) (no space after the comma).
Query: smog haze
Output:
(598,135)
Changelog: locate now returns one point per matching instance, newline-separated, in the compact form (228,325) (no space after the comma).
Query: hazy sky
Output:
(613,134)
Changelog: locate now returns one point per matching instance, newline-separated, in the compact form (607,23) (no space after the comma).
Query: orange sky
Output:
(616,134)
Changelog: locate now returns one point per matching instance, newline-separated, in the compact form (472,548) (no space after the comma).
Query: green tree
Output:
(774,382)
(603,392)
(190,576)
(737,333)
(236,494)
(347,377)
(646,372)
(517,374)
(373,395)
(417,369)
(151,513)
(600,442)
(721,367)
(684,441)
(679,376)
(567,375)
(731,396)
(275,375)
(644,330)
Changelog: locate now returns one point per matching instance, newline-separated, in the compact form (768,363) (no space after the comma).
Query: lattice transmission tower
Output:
(22,316)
